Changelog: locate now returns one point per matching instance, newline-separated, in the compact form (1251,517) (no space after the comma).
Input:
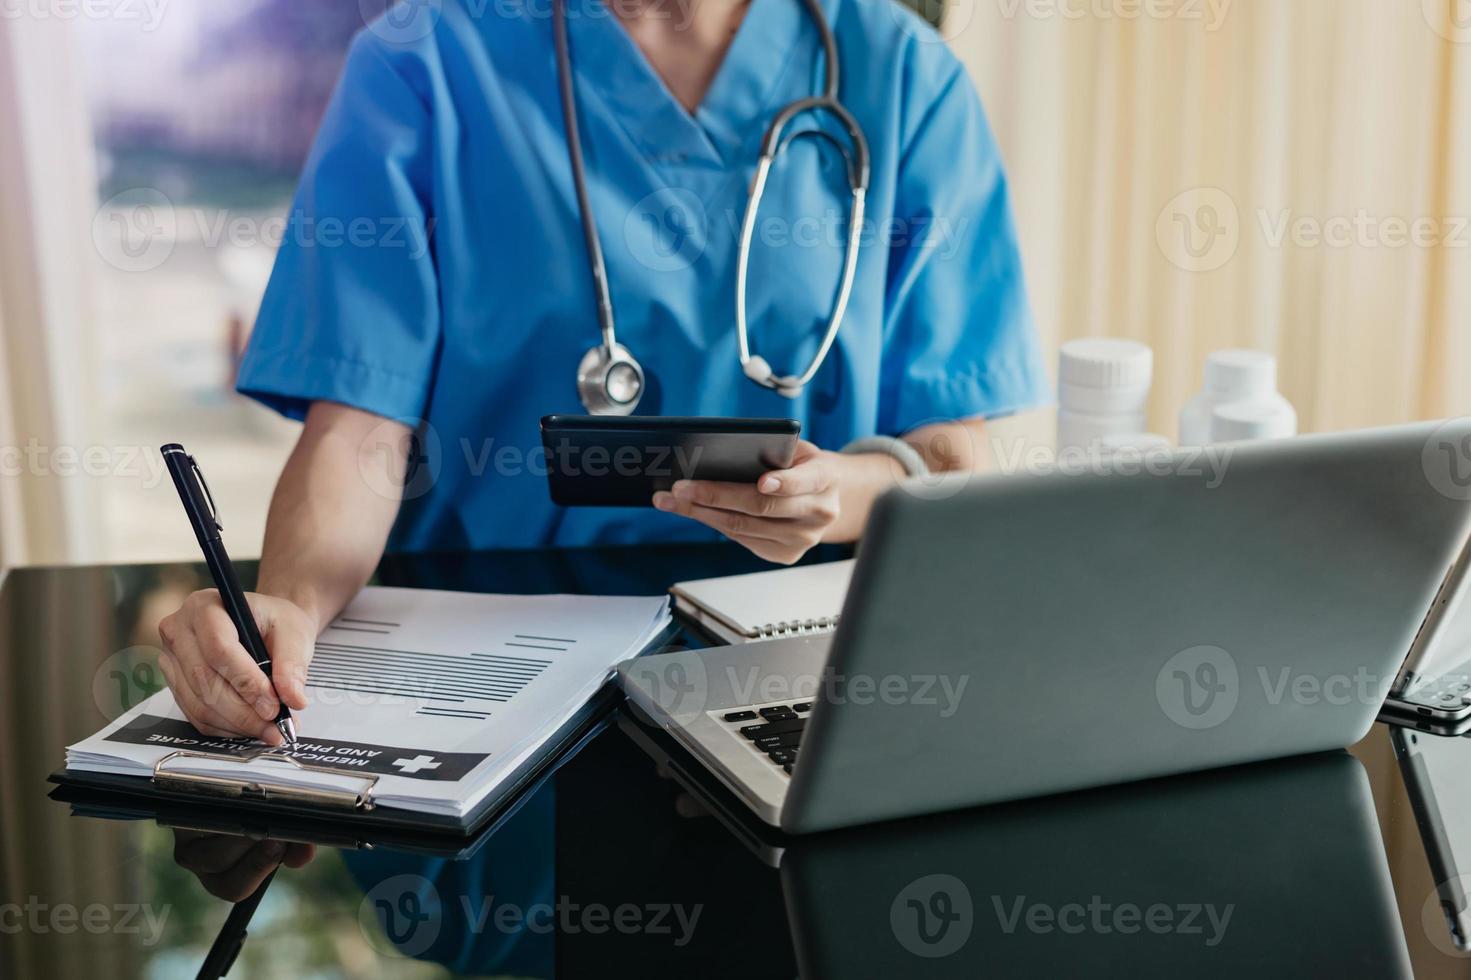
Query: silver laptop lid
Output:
(1024,635)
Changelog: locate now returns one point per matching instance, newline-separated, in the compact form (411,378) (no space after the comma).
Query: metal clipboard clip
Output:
(252,789)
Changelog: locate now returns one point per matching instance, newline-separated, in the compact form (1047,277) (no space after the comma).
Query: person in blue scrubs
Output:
(432,299)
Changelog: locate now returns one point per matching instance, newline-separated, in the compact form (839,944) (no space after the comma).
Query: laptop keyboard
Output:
(772,730)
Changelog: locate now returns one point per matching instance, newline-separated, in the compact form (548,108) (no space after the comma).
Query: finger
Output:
(211,853)
(728,522)
(207,717)
(239,882)
(185,697)
(208,686)
(219,643)
(777,552)
(291,643)
(812,476)
(688,807)
(740,497)
(299,855)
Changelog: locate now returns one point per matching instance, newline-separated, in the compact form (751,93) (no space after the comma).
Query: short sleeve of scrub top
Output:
(433,271)
(959,341)
(351,314)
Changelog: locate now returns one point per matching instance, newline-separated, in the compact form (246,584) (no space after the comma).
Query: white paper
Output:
(440,694)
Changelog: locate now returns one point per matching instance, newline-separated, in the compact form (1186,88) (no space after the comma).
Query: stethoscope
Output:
(610,380)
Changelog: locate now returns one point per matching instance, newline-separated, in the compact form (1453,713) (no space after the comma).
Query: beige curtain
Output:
(48,512)
(1317,152)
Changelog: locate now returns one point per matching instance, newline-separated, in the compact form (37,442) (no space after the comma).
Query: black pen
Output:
(231,940)
(199,504)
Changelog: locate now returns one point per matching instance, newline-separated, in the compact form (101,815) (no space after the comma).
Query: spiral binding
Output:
(795,627)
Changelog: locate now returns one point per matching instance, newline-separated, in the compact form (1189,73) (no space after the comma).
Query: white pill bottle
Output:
(1102,391)
(1241,390)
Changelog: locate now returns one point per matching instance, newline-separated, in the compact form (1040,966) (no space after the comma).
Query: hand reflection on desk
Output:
(232,868)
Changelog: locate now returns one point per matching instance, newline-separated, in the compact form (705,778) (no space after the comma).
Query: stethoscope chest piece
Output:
(609,380)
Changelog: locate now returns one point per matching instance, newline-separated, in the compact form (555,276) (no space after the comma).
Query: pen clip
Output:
(214,512)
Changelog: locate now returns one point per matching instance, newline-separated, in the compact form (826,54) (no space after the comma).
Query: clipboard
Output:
(345,818)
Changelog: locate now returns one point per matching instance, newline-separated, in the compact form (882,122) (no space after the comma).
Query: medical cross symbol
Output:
(416,763)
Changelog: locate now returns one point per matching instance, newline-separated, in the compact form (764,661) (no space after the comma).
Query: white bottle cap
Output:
(1241,373)
(1241,421)
(1102,362)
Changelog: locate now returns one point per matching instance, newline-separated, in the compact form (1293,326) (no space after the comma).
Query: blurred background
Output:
(1195,174)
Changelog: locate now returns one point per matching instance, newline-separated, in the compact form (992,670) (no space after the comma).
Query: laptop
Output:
(1006,637)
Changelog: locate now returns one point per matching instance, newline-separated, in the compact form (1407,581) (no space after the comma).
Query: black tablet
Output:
(614,461)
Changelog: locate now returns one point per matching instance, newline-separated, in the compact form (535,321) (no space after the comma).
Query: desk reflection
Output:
(1277,868)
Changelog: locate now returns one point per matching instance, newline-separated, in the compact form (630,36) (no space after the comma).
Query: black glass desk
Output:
(1305,867)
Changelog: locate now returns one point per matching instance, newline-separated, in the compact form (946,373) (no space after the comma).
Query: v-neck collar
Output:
(736,108)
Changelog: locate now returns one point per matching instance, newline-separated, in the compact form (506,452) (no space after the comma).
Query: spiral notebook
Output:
(766,605)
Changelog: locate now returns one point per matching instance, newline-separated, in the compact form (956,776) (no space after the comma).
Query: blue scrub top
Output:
(433,269)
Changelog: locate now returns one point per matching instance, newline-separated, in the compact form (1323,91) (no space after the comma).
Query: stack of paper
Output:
(440,695)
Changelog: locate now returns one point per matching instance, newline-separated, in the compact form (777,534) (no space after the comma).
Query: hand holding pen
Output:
(228,688)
